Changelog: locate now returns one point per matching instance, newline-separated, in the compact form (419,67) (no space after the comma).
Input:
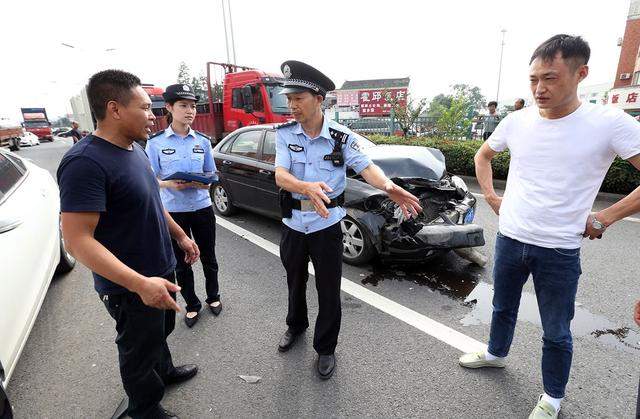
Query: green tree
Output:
(63,121)
(437,104)
(454,122)
(405,115)
(474,96)
(184,73)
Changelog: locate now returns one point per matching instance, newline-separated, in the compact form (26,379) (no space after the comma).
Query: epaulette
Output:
(287,124)
(155,134)
(204,135)
(338,135)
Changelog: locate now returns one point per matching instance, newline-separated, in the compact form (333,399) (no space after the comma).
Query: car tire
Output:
(358,248)
(222,201)
(67,261)
(14,144)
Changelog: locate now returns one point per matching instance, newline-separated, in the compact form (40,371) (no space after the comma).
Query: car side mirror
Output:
(247,99)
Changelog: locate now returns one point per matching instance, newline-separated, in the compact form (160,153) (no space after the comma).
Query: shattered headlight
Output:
(459,183)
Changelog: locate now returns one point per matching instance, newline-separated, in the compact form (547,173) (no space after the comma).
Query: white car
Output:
(29,139)
(31,251)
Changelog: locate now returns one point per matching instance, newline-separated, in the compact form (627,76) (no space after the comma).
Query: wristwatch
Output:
(597,224)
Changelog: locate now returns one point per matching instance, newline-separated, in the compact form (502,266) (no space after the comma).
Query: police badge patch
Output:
(338,135)
(355,145)
(295,148)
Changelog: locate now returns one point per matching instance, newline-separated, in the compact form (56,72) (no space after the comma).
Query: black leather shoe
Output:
(165,414)
(287,340)
(215,310)
(190,321)
(181,374)
(326,366)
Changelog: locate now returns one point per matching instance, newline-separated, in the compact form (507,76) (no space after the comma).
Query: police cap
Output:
(177,92)
(301,77)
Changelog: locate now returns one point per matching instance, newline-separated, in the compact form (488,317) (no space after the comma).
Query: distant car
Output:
(31,251)
(58,131)
(374,224)
(29,139)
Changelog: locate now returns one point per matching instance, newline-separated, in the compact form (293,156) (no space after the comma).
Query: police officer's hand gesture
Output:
(154,292)
(316,193)
(408,203)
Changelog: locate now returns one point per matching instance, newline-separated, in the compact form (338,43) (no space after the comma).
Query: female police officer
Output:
(312,155)
(181,149)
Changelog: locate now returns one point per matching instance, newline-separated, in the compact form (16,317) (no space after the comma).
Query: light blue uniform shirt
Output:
(303,157)
(169,153)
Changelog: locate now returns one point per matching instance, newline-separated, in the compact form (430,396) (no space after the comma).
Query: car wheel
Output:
(67,261)
(357,248)
(222,201)
(14,144)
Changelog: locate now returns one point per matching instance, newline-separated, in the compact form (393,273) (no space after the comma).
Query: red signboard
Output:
(378,102)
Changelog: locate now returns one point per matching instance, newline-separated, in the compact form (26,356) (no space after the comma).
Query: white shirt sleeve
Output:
(625,141)
(499,140)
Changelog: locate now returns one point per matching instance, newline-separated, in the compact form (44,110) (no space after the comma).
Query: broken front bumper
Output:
(450,236)
(432,239)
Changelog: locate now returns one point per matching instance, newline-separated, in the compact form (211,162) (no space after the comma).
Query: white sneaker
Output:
(478,360)
(543,410)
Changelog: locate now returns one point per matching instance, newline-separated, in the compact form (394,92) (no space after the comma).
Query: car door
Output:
(29,250)
(239,166)
(267,188)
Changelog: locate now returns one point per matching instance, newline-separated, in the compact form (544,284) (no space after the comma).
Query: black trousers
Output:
(201,226)
(638,403)
(324,248)
(143,353)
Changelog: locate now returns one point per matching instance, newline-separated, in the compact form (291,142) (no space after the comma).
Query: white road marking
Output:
(421,322)
(631,219)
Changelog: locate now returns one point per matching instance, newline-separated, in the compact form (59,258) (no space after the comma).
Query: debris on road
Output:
(251,379)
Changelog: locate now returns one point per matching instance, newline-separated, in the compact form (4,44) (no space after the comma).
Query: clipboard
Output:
(205,178)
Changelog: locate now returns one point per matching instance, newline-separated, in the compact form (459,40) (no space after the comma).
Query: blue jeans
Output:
(555,278)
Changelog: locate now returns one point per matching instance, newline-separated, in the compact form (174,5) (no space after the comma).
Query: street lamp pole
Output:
(233,41)
(500,67)
(224,23)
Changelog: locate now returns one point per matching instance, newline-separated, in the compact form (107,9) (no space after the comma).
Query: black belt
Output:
(307,205)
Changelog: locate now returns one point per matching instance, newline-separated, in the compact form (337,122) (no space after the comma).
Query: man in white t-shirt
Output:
(560,150)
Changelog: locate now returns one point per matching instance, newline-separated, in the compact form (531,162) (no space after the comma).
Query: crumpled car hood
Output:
(405,161)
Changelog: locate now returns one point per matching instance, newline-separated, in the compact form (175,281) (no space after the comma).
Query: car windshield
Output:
(278,102)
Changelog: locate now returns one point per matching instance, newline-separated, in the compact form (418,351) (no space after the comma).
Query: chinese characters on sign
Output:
(378,102)
(347,98)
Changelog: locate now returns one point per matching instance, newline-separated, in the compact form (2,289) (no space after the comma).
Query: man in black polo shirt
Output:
(114,223)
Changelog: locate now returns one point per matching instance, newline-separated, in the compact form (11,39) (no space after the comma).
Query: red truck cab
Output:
(37,122)
(249,97)
(252,97)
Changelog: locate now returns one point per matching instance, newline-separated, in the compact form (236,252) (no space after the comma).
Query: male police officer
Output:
(312,154)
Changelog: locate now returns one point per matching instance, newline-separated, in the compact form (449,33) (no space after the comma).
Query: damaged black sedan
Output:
(374,225)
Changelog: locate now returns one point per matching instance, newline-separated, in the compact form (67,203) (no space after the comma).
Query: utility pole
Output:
(233,42)
(500,67)
(224,23)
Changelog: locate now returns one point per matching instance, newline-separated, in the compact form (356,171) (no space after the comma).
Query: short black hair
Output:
(572,48)
(493,102)
(520,100)
(109,85)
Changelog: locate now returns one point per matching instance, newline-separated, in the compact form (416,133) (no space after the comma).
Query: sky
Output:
(436,43)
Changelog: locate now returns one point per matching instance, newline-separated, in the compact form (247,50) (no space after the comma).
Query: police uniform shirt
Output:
(170,153)
(304,158)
